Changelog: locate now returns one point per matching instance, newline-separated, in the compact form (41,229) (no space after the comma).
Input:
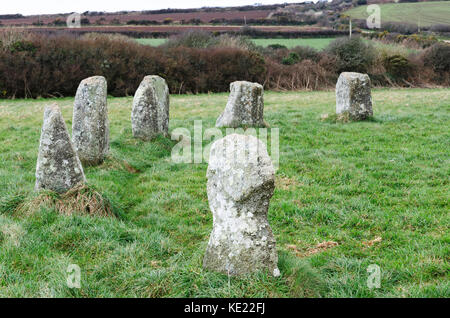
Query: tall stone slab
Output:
(245,106)
(58,167)
(240,184)
(353,96)
(90,126)
(150,113)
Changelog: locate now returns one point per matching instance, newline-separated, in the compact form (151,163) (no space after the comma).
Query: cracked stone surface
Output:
(245,106)
(150,113)
(240,184)
(90,126)
(58,167)
(353,96)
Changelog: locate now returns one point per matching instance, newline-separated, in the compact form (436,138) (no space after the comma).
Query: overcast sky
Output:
(29,7)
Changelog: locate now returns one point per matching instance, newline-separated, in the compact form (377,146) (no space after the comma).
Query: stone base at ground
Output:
(90,126)
(245,106)
(150,113)
(240,185)
(353,96)
(58,167)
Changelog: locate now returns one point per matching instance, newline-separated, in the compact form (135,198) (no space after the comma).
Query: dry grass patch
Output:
(82,199)
(285,183)
(321,247)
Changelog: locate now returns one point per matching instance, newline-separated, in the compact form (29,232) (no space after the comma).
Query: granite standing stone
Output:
(90,126)
(245,106)
(58,167)
(240,184)
(353,96)
(150,113)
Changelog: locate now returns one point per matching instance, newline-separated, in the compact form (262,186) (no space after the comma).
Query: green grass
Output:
(151,42)
(317,43)
(344,182)
(436,12)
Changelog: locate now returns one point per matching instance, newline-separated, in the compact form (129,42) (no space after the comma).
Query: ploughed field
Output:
(347,195)
(203,16)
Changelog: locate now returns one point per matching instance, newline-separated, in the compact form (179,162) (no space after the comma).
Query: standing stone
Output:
(240,185)
(353,96)
(150,114)
(90,126)
(58,167)
(245,106)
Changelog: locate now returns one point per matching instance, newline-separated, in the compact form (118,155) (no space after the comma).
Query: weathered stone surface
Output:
(240,185)
(58,167)
(353,96)
(90,126)
(150,113)
(245,106)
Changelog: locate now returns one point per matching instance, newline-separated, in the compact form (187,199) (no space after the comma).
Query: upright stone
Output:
(353,96)
(58,167)
(245,106)
(150,113)
(90,126)
(240,184)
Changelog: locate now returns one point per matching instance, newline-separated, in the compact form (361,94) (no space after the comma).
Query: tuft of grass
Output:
(302,279)
(82,199)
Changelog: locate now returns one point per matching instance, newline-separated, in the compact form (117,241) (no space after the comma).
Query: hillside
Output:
(425,13)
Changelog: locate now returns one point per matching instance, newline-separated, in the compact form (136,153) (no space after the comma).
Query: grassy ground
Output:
(317,43)
(425,13)
(379,189)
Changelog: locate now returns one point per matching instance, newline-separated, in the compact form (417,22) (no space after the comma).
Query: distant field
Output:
(317,43)
(429,12)
(151,42)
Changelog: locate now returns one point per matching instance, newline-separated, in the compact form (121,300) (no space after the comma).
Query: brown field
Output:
(205,17)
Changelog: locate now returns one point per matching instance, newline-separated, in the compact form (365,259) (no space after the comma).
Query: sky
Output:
(30,7)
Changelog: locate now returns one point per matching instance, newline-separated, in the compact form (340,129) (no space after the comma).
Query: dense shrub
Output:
(193,39)
(56,65)
(403,28)
(306,53)
(277,46)
(440,28)
(291,59)
(33,65)
(303,75)
(352,54)
(438,58)
(397,66)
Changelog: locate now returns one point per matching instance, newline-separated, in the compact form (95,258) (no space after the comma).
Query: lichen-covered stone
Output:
(353,96)
(240,184)
(150,113)
(90,126)
(58,167)
(245,106)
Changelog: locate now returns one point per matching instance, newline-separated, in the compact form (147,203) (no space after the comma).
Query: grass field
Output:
(380,189)
(425,13)
(317,43)
(151,42)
